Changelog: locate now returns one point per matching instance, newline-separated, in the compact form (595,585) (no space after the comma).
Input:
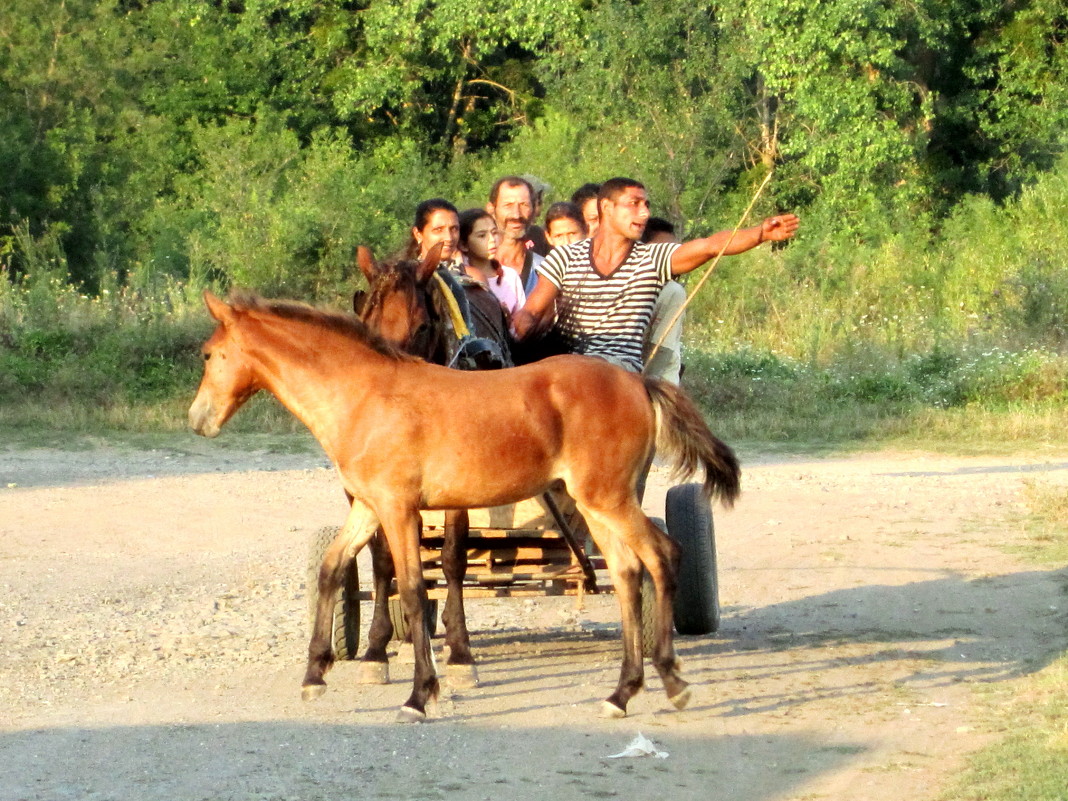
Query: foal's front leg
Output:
(401,527)
(374,667)
(359,527)
(460,667)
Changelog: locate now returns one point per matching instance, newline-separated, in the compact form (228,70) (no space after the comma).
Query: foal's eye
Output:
(207,356)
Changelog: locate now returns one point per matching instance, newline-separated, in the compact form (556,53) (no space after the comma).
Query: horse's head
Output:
(432,316)
(395,304)
(228,379)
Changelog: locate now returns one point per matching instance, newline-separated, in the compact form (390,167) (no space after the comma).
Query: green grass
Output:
(1029,760)
(967,401)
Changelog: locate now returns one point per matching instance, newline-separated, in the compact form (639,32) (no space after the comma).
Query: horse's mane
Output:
(398,275)
(345,324)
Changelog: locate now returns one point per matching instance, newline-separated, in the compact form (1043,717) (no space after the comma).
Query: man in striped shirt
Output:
(601,291)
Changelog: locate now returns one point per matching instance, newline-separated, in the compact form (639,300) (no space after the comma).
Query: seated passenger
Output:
(662,352)
(585,197)
(599,294)
(564,224)
(511,202)
(436,220)
(479,239)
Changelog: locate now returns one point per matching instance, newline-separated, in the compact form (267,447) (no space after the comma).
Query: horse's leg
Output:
(625,569)
(401,527)
(374,667)
(632,541)
(359,527)
(660,556)
(460,667)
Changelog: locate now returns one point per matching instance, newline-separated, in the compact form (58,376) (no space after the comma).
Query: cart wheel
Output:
(689,522)
(400,622)
(346,623)
(648,596)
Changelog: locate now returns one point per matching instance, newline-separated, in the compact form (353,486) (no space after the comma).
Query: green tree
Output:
(453,73)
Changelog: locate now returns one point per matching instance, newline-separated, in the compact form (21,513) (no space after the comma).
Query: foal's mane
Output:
(345,324)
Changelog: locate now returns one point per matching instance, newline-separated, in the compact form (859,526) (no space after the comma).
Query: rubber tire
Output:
(689,523)
(346,622)
(648,596)
(400,622)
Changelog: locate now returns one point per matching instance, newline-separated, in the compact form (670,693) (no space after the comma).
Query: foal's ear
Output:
(366,261)
(429,264)
(218,308)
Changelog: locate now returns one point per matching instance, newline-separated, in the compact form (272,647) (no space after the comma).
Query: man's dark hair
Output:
(509,180)
(613,187)
(584,193)
(657,225)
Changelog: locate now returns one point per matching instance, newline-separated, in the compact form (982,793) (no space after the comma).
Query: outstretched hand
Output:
(779,228)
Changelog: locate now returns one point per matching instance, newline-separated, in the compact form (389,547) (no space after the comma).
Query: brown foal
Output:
(386,421)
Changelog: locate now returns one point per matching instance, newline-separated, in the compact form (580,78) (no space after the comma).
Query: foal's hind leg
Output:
(358,529)
(628,540)
(660,556)
(460,667)
(374,667)
(624,569)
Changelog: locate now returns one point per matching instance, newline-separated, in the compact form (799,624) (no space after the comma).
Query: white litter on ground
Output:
(640,746)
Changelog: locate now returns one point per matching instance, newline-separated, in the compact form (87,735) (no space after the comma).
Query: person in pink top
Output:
(479,239)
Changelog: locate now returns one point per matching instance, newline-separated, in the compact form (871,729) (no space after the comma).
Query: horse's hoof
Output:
(679,701)
(461,677)
(408,714)
(610,710)
(309,692)
(373,673)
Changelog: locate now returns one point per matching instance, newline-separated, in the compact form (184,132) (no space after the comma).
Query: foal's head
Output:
(228,379)
(289,337)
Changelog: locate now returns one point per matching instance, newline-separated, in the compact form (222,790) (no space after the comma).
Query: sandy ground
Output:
(152,610)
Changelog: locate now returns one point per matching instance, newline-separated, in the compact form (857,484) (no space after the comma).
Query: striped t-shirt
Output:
(607,315)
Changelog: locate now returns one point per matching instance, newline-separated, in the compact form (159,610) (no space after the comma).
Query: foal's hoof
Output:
(680,700)
(610,710)
(373,673)
(461,677)
(309,692)
(409,714)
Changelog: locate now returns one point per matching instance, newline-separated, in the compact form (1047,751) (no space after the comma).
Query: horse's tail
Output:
(683,435)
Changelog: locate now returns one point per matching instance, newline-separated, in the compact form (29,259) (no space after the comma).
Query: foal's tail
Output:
(682,434)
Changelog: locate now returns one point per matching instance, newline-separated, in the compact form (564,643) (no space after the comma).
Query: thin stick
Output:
(707,273)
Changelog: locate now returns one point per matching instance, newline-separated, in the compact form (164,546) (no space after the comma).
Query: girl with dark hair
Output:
(479,239)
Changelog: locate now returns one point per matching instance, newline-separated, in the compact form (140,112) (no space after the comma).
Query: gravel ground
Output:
(153,608)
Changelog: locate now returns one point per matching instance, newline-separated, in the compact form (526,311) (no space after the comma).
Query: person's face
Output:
(627,213)
(513,211)
(482,242)
(442,226)
(590,215)
(564,231)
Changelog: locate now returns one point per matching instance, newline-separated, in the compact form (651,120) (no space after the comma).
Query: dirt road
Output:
(152,610)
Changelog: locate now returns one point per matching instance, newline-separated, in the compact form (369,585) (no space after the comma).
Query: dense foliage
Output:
(149,148)
(258,141)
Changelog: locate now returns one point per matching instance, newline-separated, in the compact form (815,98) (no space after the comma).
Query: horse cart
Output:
(538,547)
